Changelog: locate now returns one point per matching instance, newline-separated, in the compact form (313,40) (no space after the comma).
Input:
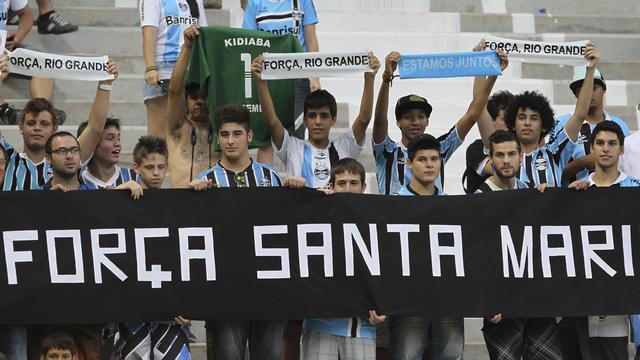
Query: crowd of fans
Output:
(522,146)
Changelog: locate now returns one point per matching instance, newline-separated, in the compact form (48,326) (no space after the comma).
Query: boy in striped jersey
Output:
(103,171)
(410,334)
(29,170)
(312,158)
(531,118)
(412,117)
(604,336)
(237,169)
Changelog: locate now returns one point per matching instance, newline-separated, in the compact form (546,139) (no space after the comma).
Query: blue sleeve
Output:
(7,147)
(449,143)
(202,175)
(276,179)
(558,125)
(379,150)
(310,16)
(635,325)
(250,14)
(562,148)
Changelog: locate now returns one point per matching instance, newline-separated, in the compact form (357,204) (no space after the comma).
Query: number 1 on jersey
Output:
(246,59)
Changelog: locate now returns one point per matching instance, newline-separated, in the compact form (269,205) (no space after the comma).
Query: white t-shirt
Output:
(5,5)
(630,160)
(171,17)
(313,164)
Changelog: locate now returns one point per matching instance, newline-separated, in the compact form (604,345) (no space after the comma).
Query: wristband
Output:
(105,87)
(149,68)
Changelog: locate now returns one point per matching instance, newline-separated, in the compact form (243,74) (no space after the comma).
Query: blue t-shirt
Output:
(255,175)
(280,17)
(583,146)
(21,173)
(391,158)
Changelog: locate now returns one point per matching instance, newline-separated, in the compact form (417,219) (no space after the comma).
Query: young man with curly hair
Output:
(531,118)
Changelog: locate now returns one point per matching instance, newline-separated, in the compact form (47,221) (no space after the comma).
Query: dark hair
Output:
(609,126)
(347,165)
(115,122)
(422,142)
(501,136)
(58,340)
(149,145)
(192,90)
(498,101)
(38,105)
(535,101)
(321,98)
(233,113)
(47,146)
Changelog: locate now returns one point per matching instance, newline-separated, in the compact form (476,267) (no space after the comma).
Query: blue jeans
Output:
(13,341)
(265,339)
(411,336)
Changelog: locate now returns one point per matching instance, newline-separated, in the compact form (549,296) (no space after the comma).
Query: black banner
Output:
(99,256)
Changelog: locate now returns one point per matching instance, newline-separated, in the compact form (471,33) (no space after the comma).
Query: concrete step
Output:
(98,40)
(369,5)
(626,71)
(446,22)
(99,15)
(615,48)
(589,7)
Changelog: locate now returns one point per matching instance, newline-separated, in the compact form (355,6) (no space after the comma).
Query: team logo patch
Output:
(582,139)
(540,164)
(264,182)
(321,172)
(183,6)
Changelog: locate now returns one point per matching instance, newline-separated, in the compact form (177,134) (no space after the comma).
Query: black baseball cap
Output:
(410,102)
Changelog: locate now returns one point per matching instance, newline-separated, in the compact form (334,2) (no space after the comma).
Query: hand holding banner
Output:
(313,64)
(53,66)
(541,52)
(472,63)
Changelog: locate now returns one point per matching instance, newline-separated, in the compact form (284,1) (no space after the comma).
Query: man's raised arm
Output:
(176,102)
(266,102)
(380,116)
(572,127)
(361,122)
(90,137)
(480,98)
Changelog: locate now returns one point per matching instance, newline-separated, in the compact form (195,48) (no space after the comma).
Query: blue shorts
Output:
(151,92)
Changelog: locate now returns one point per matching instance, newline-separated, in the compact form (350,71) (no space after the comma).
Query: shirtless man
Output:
(189,132)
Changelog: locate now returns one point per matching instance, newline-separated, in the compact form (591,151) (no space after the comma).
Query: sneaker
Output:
(61,116)
(8,114)
(54,23)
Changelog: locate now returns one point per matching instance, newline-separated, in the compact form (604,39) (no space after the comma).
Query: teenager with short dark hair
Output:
(604,336)
(237,169)
(58,346)
(312,158)
(411,335)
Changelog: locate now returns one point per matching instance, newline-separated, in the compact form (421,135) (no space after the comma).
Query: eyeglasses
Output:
(65,150)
